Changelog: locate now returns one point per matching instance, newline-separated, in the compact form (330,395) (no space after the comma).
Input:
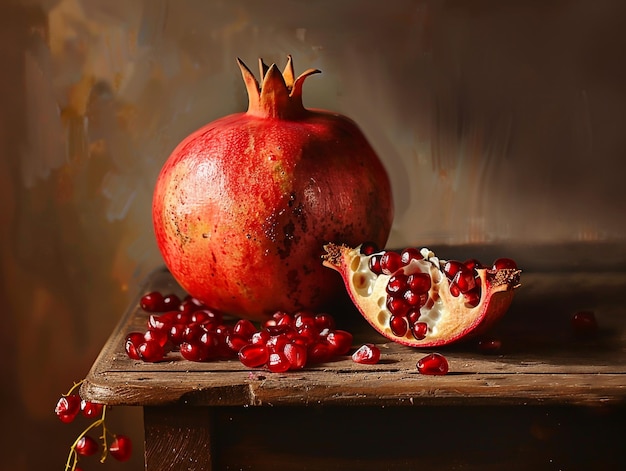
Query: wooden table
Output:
(548,400)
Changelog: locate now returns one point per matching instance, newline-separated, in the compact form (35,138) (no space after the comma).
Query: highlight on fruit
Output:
(417,299)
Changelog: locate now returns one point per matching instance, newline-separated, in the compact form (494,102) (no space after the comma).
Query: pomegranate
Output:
(243,206)
(416,299)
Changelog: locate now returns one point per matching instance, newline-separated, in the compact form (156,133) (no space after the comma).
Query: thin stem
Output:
(75,386)
(94,424)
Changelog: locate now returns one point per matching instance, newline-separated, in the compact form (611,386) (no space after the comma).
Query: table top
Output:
(541,362)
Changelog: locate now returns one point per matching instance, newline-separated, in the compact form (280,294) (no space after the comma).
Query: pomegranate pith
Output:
(422,301)
(243,206)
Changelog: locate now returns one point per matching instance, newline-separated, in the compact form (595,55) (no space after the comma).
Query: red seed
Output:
(504,263)
(472,264)
(472,297)
(152,302)
(324,321)
(489,345)
(397,306)
(194,351)
(452,267)
(340,341)
(368,354)
(584,323)
(171,302)
(374,264)
(278,362)
(419,282)
(87,446)
(368,248)
(150,351)
(410,254)
(390,262)
(433,364)
(296,354)
(254,355)
(244,328)
(398,325)
(464,280)
(133,340)
(121,448)
(396,284)
(67,408)
(319,352)
(90,409)
(419,330)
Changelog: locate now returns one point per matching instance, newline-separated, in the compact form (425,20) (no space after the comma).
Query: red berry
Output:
(368,354)
(86,446)
(254,355)
(369,248)
(121,448)
(340,341)
(90,409)
(584,323)
(152,302)
(390,262)
(67,408)
(151,351)
(504,263)
(433,364)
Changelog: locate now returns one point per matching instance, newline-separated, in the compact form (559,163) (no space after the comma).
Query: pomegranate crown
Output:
(279,95)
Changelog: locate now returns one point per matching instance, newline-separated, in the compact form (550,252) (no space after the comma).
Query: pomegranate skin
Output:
(243,206)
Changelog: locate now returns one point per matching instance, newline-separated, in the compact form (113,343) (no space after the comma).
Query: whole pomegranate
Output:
(417,299)
(243,206)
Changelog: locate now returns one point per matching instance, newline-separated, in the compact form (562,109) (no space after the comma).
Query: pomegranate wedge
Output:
(416,299)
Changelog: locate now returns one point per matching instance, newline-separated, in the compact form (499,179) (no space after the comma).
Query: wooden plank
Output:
(541,363)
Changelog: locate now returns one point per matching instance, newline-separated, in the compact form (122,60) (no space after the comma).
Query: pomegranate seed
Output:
(90,409)
(133,340)
(419,330)
(464,280)
(244,328)
(162,322)
(319,352)
(340,341)
(304,318)
(192,333)
(152,302)
(311,334)
(489,345)
(296,354)
(324,321)
(415,300)
(157,335)
(454,290)
(121,448)
(368,354)
(261,337)
(190,305)
(472,264)
(204,316)
(410,254)
(86,446)
(210,340)
(67,408)
(472,297)
(150,351)
(276,343)
(194,351)
(413,316)
(177,333)
(254,355)
(397,306)
(584,323)
(433,364)
(374,264)
(504,263)
(278,362)
(398,326)
(171,302)
(368,248)
(236,342)
(396,284)
(390,262)
(452,267)
(419,282)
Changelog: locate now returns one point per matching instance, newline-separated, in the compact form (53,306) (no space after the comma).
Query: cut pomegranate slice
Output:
(422,301)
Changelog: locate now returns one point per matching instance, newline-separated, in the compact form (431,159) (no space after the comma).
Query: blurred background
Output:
(502,124)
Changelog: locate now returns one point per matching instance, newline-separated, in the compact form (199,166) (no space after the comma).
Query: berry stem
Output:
(72,459)
(73,388)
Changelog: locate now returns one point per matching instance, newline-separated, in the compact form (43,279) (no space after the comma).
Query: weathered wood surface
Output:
(541,362)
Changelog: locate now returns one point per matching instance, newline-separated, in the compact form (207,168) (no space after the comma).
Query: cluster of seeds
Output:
(412,276)
(283,342)
(68,408)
